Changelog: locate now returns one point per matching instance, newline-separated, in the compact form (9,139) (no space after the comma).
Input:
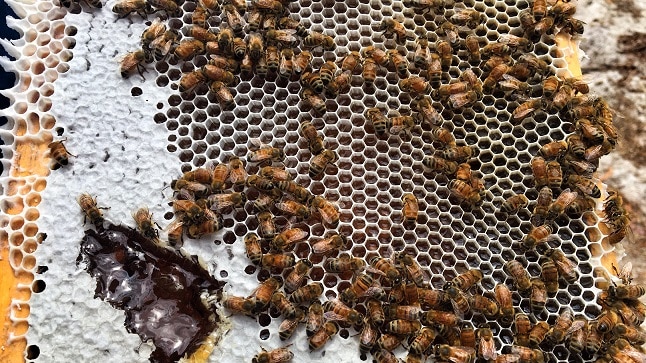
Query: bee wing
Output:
(331,315)
(636,355)
(626,272)
(508,39)
(595,153)
(286,35)
(566,197)
(375,271)
(518,115)
(565,264)
(576,325)
(220,201)
(488,349)
(457,310)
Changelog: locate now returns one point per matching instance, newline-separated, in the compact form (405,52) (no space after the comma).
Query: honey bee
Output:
(469,17)
(589,131)
(318,339)
(486,343)
(567,268)
(378,55)
(144,221)
(238,305)
(284,306)
(260,183)
(447,90)
(494,76)
(328,211)
(269,22)
(340,84)
(314,139)
(295,278)
(632,334)
(272,57)
(455,354)
(401,326)
(553,150)
(315,319)
(573,26)
(211,224)
(337,310)
(266,226)
(445,318)
(627,291)
(465,192)
(275,174)
(399,62)
(387,268)
(254,19)
(124,8)
(302,61)
(607,321)
(379,121)
(90,208)
(191,211)
(273,356)
(220,202)
(271,6)
(351,62)
(316,103)
(343,263)
(299,193)
(544,26)
(175,233)
(210,5)
(514,203)
(288,238)
(191,80)
(539,169)
(527,108)
(584,185)
(316,39)
(161,45)
(327,71)
(629,314)
(422,52)
(463,172)
(562,97)
(223,95)
(388,341)
(215,73)
(288,326)
(458,153)
(329,244)
(458,299)
(563,325)
(358,288)
(459,100)
(313,81)
(426,111)
(538,296)
(440,165)
(293,208)
(252,248)
(445,51)
(202,34)
(369,70)
(263,293)
(538,333)
(392,26)
(367,338)
(539,9)
(578,335)
(307,293)
(581,204)
(284,37)
(131,61)
(562,202)
(266,154)
(498,48)
(505,303)
(528,355)
(472,43)
(466,280)
(289,23)
(519,274)
(434,70)
(234,18)
(170,7)
(550,276)
(537,235)
(522,327)
(544,199)
(375,312)
(515,42)
(59,154)
(321,161)
(398,124)
(484,305)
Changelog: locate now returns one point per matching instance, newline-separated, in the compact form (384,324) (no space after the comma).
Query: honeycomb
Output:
(367,181)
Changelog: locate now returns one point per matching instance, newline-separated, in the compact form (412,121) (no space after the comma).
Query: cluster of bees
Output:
(389,301)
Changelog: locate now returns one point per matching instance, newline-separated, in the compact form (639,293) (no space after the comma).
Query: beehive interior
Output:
(372,172)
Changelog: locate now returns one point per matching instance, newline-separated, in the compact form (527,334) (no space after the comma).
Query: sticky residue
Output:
(159,289)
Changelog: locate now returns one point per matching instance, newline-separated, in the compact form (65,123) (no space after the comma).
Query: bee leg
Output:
(141,69)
